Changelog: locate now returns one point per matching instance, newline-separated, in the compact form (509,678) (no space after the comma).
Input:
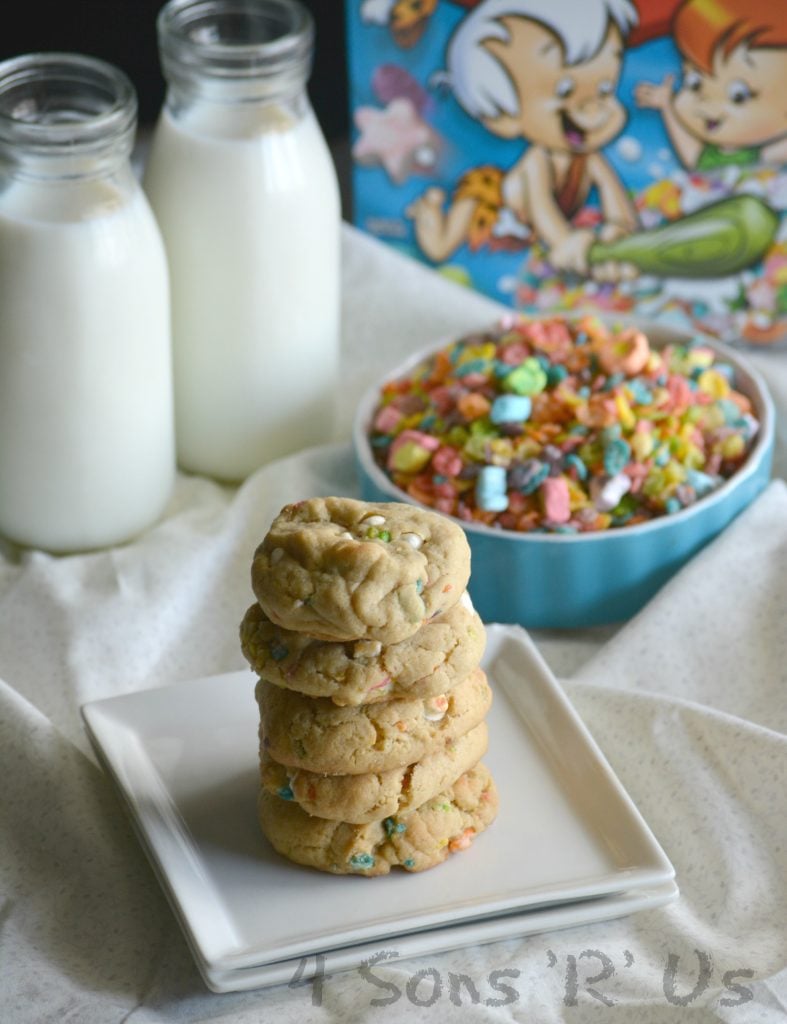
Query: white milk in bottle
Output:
(245,192)
(86,412)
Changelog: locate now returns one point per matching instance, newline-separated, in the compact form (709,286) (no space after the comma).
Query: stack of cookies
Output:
(371,698)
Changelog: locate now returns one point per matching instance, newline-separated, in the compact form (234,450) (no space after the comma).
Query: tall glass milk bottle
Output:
(87,451)
(246,195)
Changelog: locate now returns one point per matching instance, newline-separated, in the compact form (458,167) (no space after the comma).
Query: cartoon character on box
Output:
(545,73)
(731,108)
(618,155)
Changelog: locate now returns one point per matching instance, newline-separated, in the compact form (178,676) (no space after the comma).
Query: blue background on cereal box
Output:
(642,156)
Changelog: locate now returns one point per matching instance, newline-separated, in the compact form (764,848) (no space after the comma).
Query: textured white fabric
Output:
(687,700)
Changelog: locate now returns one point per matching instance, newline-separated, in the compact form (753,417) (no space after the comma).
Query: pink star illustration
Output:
(396,137)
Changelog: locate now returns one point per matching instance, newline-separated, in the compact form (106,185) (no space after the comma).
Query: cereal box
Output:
(622,156)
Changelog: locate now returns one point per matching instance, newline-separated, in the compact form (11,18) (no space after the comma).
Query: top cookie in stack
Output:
(371,698)
(316,573)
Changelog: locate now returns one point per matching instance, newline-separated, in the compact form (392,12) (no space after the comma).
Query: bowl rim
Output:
(659,334)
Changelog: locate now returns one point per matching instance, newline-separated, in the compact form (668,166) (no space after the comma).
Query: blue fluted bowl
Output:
(571,580)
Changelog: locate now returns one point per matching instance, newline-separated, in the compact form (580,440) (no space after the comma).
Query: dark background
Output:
(123,32)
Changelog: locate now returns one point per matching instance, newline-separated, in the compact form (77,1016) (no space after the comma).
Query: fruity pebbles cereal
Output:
(562,426)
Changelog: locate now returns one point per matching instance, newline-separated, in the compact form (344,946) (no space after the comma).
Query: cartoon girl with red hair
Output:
(731,108)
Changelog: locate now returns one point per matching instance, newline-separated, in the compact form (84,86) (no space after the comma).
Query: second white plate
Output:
(441,940)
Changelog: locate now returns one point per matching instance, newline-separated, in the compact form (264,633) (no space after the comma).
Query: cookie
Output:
(313,733)
(341,569)
(360,799)
(431,661)
(445,824)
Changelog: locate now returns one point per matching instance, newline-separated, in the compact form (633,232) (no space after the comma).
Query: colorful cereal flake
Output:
(613,432)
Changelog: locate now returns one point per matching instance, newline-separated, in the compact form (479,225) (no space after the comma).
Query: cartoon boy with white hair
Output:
(544,71)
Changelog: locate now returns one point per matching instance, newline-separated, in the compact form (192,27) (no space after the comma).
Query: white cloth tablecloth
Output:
(688,702)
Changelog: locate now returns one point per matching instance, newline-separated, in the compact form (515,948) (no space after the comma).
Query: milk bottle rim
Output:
(59,103)
(262,46)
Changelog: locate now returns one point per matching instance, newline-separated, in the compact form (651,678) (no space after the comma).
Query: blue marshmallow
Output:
(490,489)
(510,409)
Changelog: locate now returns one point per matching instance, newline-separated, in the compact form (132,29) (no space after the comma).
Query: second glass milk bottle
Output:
(245,192)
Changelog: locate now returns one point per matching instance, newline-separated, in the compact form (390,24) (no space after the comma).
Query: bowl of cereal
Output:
(587,459)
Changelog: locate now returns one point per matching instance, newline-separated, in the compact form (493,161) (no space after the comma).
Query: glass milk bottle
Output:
(244,189)
(87,455)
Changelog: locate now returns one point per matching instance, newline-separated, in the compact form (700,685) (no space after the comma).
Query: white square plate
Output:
(185,760)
